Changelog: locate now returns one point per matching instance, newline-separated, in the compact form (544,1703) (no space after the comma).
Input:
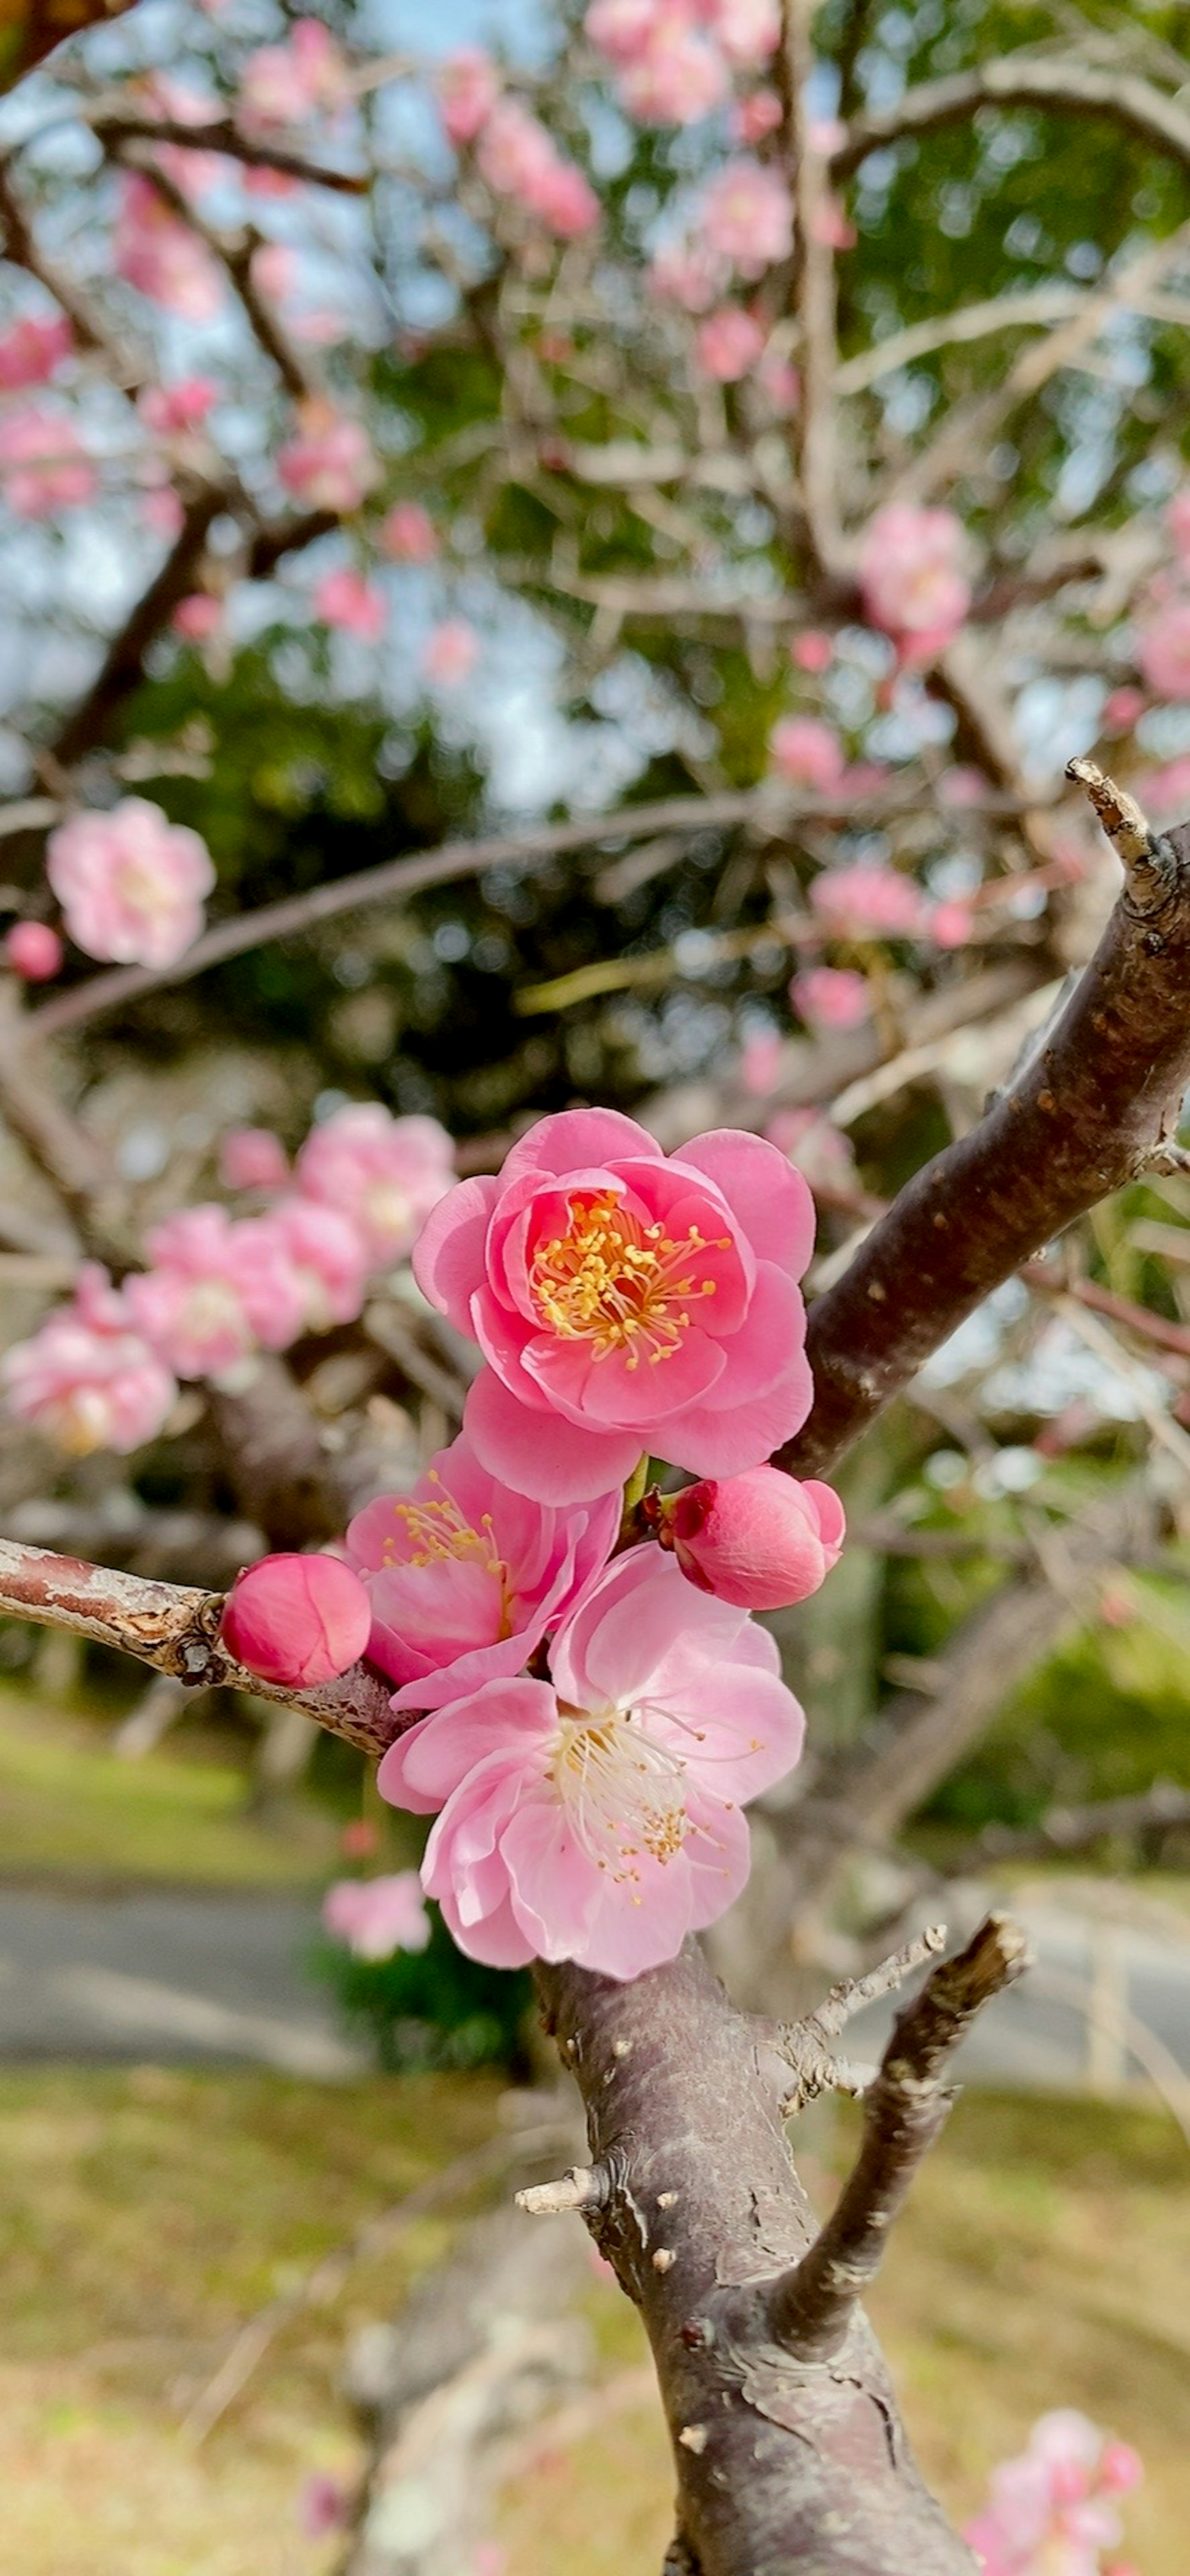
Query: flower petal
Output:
(540,1454)
(770,1200)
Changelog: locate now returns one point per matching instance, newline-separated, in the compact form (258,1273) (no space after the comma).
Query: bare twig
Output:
(1023,80)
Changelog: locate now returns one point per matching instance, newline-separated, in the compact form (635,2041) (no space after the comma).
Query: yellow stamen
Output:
(617,1283)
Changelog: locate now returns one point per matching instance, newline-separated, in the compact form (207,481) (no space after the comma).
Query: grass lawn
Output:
(143,2214)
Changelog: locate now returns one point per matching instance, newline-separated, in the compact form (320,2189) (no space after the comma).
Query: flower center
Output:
(434,1531)
(622,1790)
(618,1283)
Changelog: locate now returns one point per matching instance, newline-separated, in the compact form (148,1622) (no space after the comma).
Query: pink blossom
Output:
(383,1173)
(451,652)
(1049,2507)
(832,226)
(1163,652)
(861,900)
(274,270)
(252,1158)
(359,1840)
(328,1256)
(519,159)
(621,28)
(749,31)
(761,1063)
(685,273)
(322,2505)
(913,573)
(171,410)
(87,1378)
(779,382)
(32,350)
(1177,518)
(812,651)
(33,951)
(375,1916)
(347,600)
(593,1252)
(950,925)
(197,617)
(831,997)
(466,1578)
(297,1620)
(283,85)
(729,343)
(757,115)
(408,534)
(330,464)
(597,1816)
(216,1291)
(962,786)
(156,252)
(807,753)
(130,884)
(676,76)
(468,86)
(761,1540)
(815,1147)
(747,216)
(1123,708)
(44,466)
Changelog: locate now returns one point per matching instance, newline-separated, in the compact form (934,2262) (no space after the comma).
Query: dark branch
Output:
(123,664)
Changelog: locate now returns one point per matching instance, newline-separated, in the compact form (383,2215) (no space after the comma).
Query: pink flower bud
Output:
(297,1619)
(33,951)
(760,1540)
(1120,2468)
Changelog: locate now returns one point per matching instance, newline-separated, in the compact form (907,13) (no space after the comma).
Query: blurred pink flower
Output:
(757,115)
(950,925)
(323,2503)
(863,900)
(283,85)
(297,1620)
(383,1173)
(44,466)
(131,884)
(1177,518)
(761,1063)
(466,1578)
(88,1378)
(621,29)
(812,651)
(815,1147)
(686,273)
(330,464)
(962,786)
(360,1839)
(1163,652)
(197,617)
(408,534)
(1124,708)
(346,599)
(747,216)
(33,951)
(328,1257)
(519,159)
(831,225)
(1048,2509)
(162,511)
(467,85)
(597,1816)
(170,410)
(153,250)
(375,1916)
(32,350)
(913,572)
(675,75)
(761,1540)
(729,343)
(831,997)
(216,1291)
(451,652)
(592,1252)
(252,1158)
(807,753)
(778,380)
(749,31)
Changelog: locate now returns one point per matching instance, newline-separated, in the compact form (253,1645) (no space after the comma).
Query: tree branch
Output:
(1022,80)
(122,667)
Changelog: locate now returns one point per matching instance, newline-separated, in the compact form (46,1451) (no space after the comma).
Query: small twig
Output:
(811,2306)
(805,2044)
(582,2187)
(1150,866)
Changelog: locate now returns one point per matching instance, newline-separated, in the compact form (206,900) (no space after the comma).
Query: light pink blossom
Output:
(172,410)
(761,1063)
(216,1291)
(625,1301)
(860,901)
(330,464)
(33,951)
(831,997)
(162,511)
(747,216)
(408,534)
(813,651)
(1163,651)
(761,1540)
(44,466)
(328,1256)
(1050,2511)
(252,1158)
(32,350)
(88,1378)
(687,273)
(131,884)
(676,76)
(467,85)
(451,652)
(284,85)
(597,1816)
(1178,522)
(808,753)
(950,925)
(749,31)
(913,573)
(297,1620)
(346,599)
(729,343)
(375,1916)
(383,1173)
(466,1578)
(153,250)
(621,29)
(519,159)
(197,617)
(757,115)
(1123,708)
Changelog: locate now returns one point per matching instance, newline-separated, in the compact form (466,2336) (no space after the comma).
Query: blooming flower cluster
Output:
(740,225)
(1053,2511)
(44,465)
(674,60)
(100,1371)
(513,150)
(915,578)
(131,885)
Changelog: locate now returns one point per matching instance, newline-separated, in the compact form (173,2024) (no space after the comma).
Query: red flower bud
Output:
(33,951)
(761,1540)
(297,1619)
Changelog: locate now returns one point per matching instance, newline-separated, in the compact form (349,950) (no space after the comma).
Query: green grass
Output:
(69,1806)
(144,2213)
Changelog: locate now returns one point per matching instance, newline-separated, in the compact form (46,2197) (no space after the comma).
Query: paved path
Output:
(213,1979)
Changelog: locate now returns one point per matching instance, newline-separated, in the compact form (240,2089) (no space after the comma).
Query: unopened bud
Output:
(297,1619)
(760,1540)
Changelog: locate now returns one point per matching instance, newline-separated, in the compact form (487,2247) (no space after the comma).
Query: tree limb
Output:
(1022,80)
